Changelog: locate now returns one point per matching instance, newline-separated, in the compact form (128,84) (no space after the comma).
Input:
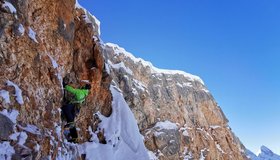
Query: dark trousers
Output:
(69,112)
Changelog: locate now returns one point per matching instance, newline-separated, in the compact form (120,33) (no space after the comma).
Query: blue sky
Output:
(234,46)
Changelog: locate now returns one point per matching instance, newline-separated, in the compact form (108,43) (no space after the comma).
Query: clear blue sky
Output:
(233,45)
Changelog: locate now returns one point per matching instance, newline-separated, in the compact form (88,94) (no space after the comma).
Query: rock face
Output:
(43,43)
(175,98)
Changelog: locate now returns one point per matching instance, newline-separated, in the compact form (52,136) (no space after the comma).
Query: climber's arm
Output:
(71,89)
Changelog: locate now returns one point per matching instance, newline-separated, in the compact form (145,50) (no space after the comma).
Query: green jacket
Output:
(80,94)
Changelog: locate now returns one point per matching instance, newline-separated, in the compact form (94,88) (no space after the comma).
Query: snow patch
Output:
(22,138)
(85,81)
(202,154)
(14,136)
(31,129)
(5,95)
(58,130)
(166,125)
(37,148)
(157,134)
(59,77)
(152,155)
(10,6)
(54,63)
(184,131)
(12,115)
(154,70)
(205,90)
(189,84)
(139,85)
(218,146)
(215,126)
(6,150)
(107,68)
(120,65)
(18,92)
(21,29)
(187,155)
(124,140)
(32,35)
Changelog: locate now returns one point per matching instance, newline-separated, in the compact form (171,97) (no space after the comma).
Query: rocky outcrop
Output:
(176,98)
(44,43)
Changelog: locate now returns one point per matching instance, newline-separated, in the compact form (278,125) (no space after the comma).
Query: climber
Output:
(70,107)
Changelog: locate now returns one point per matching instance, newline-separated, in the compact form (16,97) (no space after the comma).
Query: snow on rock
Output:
(21,29)
(54,63)
(139,85)
(202,157)
(185,133)
(14,136)
(124,140)
(152,155)
(184,84)
(5,95)
(107,68)
(184,130)
(187,155)
(58,130)
(18,92)
(22,138)
(89,18)
(6,151)
(215,127)
(154,70)
(218,146)
(32,35)
(31,129)
(166,125)
(59,77)
(10,6)
(12,115)
(85,81)
(120,65)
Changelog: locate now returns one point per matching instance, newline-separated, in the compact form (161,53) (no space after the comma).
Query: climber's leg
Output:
(69,112)
(73,134)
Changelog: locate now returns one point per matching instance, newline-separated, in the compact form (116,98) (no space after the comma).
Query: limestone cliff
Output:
(43,43)
(167,98)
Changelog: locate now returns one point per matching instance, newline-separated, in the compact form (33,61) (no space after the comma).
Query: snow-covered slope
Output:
(122,134)
(265,154)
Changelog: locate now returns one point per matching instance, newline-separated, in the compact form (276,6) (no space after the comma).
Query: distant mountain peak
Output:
(264,154)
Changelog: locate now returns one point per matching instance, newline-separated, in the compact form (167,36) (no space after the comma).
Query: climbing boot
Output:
(69,125)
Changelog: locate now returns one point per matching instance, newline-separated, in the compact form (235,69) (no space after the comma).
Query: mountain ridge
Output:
(264,154)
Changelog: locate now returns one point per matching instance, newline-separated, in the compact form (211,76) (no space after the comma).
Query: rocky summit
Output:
(133,111)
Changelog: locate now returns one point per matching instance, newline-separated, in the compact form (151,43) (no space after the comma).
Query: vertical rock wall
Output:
(42,42)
